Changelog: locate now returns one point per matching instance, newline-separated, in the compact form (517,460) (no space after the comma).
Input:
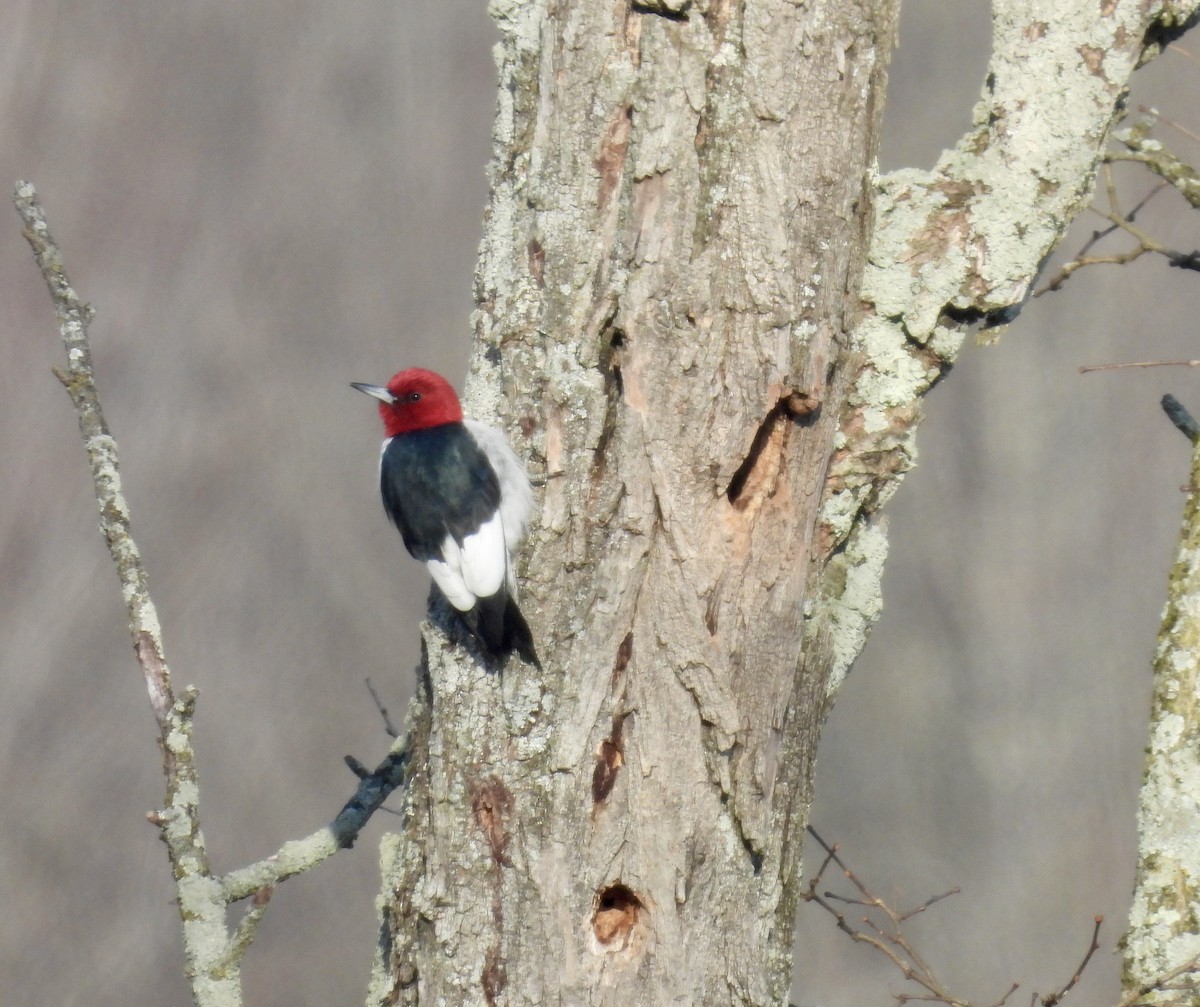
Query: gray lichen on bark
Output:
(1164,921)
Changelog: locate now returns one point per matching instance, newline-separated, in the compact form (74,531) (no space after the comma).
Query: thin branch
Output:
(1011,990)
(243,936)
(1082,258)
(213,956)
(200,904)
(300,855)
(74,315)
(932,900)
(383,711)
(1090,368)
(890,943)
(1143,148)
(1068,269)
(1053,999)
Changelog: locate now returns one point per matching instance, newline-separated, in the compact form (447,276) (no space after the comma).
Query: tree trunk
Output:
(677,325)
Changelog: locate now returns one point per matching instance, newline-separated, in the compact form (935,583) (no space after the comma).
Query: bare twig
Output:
(1146,243)
(933,899)
(1053,999)
(243,936)
(1140,147)
(1143,148)
(1090,368)
(383,711)
(889,942)
(1009,992)
(888,939)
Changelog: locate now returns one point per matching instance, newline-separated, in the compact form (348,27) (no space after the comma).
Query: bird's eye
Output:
(413,397)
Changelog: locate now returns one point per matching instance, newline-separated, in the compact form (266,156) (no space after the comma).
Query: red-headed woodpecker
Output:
(461,500)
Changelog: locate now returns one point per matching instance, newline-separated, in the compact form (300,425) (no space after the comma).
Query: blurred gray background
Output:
(266,201)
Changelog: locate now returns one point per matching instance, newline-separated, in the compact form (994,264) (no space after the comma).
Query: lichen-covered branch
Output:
(300,855)
(963,243)
(1164,921)
(213,956)
(1138,146)
(1147,149)
(201,903)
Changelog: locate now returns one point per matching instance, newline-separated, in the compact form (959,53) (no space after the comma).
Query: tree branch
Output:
(213,956)
(201,903)
(1143,148)
(300,855)
(1161,943)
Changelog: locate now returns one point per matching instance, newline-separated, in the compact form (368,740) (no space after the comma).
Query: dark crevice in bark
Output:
(610,757)
(1161,34)
(712,606)
(752,851)
(624,653)
(609,761)
(612,373)
(662,10)
(738,483)
(609,365)
(953,315)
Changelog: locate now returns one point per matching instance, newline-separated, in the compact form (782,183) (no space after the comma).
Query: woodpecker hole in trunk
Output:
(615,915)
(757,474)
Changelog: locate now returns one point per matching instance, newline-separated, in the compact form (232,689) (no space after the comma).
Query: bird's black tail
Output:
(502,629)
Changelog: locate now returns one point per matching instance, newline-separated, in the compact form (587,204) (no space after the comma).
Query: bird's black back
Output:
(437,481)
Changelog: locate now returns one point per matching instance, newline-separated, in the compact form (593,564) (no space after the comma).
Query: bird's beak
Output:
(379,392)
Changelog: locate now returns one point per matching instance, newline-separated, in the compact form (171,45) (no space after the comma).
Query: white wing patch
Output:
(516,495)
(481,565)
(450,582)
(476,569)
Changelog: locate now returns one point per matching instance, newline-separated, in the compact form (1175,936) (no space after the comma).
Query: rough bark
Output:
(714,357)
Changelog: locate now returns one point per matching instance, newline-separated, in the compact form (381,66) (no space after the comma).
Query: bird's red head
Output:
(414,400)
